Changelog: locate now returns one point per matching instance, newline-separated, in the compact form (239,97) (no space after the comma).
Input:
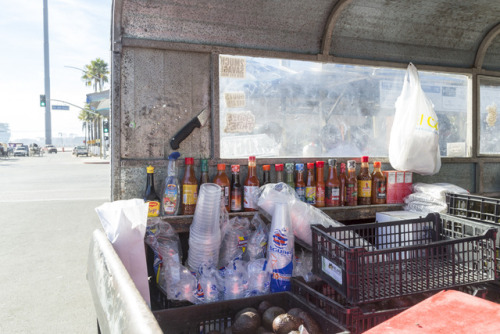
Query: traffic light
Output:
(42,100)
(105,126)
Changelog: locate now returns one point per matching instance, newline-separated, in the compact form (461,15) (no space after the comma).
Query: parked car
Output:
(21,151)
(81,150)
(50,149)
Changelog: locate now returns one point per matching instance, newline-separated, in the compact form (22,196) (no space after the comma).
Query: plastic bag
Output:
(438,190)
(257,241)
(234,240)
(414,141)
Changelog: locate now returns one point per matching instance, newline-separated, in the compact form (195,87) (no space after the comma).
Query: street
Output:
(47,216)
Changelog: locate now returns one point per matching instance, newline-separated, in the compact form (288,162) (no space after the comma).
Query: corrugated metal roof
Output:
(432,32)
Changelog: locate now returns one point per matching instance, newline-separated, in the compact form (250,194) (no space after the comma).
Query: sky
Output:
(79,32)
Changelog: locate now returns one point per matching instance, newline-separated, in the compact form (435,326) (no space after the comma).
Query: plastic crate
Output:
(201,319)
(377,261)
(356,319)
(483,209)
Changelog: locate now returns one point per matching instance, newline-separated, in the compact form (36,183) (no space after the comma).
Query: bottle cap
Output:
(364,158)
(251,158)
(204,165)
(299,167)
(266,167)
(332,162)
(278,167)
(235,168)
(189,161)
(342,167)
(376,164)
(289,167)
(351,164)
(150,169)
(320,164)
(221,166)
(310,165)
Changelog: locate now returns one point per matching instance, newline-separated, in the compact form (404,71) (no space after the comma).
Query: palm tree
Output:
(88,119)
(96,74)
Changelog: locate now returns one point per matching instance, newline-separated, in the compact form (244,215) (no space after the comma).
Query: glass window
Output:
(286,108)
(489,129)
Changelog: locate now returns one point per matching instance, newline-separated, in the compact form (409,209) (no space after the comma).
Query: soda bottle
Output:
(310,185)
(150,195)
(300,185)
(171,193)
(280,248)
(251,186)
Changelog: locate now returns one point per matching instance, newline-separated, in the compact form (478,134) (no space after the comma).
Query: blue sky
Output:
(79,31)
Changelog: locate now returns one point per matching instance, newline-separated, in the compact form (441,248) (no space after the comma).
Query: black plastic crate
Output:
(201,319)
(483,209)
(356,318)
(376,261)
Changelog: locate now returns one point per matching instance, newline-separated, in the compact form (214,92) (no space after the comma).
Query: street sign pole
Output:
(48,120)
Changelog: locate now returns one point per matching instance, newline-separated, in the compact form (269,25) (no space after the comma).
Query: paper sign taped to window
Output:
(240,122)
(235,100)
(232,67)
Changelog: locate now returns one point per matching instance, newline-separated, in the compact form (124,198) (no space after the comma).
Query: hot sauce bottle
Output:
(266,169)
(364,183)
(150,195)
(378,184)
(332,185)
(189,188)
(204,171)
(279,173)
(343,185)
(236,189)
(251,186)
(223,181)
(320,184)
(300,185)
(351,184)
(310,185)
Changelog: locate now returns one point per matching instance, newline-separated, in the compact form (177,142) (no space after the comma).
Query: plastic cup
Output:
(207,213)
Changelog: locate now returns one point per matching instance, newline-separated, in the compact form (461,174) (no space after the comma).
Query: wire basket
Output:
(356,319)
(376,261)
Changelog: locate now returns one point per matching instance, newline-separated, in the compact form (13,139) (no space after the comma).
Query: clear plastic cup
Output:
(207,213)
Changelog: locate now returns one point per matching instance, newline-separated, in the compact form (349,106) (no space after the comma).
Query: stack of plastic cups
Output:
(204,233)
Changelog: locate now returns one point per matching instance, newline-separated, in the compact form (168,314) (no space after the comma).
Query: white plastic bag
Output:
(414,142)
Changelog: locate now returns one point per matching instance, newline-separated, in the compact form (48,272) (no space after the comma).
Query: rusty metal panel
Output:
(293,25)
(460,174)
(160,92)
(444,33)
(492,57)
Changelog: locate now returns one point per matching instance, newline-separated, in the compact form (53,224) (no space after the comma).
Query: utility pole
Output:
(48,120)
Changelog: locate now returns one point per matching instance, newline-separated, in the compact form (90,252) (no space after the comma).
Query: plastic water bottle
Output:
(280,248)
(171,199)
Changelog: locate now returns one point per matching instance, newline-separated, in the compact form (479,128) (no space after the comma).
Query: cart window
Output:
(286,108)
(489,127)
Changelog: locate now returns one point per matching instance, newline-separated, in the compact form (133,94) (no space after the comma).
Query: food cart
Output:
(253,66)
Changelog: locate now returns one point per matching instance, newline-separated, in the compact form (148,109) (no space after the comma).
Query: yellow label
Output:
(189,194)
(364,188)
(154,209)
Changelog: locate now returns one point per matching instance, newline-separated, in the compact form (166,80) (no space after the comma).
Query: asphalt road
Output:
(47,217)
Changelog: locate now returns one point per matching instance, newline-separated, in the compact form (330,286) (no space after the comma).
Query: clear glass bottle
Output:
(150,195)
(251,186)
(289,174)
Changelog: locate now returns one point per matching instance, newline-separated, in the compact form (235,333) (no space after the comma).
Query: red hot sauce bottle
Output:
(251,186)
